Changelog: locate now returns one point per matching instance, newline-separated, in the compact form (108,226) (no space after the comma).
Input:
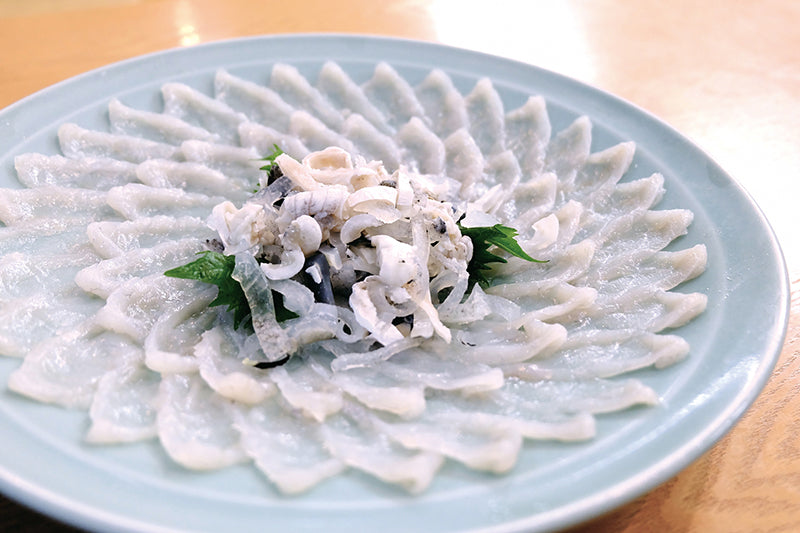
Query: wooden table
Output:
(726,74)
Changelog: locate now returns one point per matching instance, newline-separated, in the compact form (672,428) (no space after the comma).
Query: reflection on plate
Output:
(554,484)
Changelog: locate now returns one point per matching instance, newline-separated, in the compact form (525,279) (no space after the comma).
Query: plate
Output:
(735,343)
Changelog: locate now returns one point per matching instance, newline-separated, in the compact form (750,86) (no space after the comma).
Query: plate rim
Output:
(43,501)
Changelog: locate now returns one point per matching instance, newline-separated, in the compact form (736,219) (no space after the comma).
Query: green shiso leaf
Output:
(483,238)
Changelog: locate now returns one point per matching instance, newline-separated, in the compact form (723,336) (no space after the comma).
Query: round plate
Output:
(735,343)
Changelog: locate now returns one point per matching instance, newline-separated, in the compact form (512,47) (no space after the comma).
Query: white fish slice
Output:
(435,372)
(113,238)
(662,270)
(527,134)
(516,342)
(568,150)
(286,447)
(258,103)
(52,202)
(41,314)
(547,301)
(486,118)
(103,277)
(523,413)
(221,357)
(240,165)
(479,443)
(124,405)
(47,235)
(28,273)
(464,162)
(136,200)
(66,369)
(298,92)
(195,426)
(200,110)
(421,149)
(646,308)
(377,390)
(263,139)
(371,143)
(600,173)
(171,344)
(195,177)
(530,201)
(443,104)
(392,95)
(356,442)
(640,194)
(158,127)
(594,353)
(628,240)
(315,134)
(79,143)
(37,170)
(305,389)
(135,306)
(345,94)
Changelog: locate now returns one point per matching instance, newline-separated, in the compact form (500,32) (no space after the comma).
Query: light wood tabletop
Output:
(724,73)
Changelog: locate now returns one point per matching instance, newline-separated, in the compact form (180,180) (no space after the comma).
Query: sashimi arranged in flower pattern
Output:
(387,382)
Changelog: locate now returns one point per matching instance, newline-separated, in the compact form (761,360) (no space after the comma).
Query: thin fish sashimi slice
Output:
(258,103)
(137,200)
(171,344)
(357,443)
(392,95)
(203,111)
(620,251)
(478,443)
(286,447)
(315,134)
(157,127)
(588,354)
(29,273)
(443,104)
(377,390)
(296,90)
(222,355)
(662,270)
(195,426)
(44,235)
(53,202)
(25,320)
(568,150)
(486,118)
(103,277)
(134,307)
(241,166)
(307,390)
(421,149)
(195,178)
(263,140)
(345,94)
(647,309)
(124,405)
(79,143)
(98,173)
(114,238)
(372,144)
(66,369)
(527,134)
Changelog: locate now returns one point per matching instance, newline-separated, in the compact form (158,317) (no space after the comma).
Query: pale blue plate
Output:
(735,343)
